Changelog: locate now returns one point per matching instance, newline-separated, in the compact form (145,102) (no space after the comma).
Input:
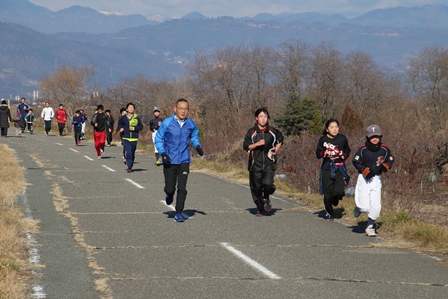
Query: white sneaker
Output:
(99,157)
(370,232)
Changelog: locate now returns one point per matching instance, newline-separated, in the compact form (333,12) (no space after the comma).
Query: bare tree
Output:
(428,78)
(69,86)
(326,77)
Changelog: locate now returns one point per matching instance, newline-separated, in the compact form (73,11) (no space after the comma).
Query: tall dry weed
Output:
(13,226)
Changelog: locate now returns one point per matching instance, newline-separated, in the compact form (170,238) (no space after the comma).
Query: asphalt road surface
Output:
(105,233)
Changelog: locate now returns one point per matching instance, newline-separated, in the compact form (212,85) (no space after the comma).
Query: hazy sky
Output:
(235,8)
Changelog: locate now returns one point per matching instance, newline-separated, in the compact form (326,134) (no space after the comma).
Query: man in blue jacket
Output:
(173,144)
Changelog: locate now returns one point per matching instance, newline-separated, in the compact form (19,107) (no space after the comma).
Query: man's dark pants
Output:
(177,173)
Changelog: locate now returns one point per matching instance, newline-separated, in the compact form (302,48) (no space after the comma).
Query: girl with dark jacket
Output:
(262,142)
(333,148)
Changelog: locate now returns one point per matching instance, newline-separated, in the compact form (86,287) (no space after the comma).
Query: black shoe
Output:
(328,217)
(267,205)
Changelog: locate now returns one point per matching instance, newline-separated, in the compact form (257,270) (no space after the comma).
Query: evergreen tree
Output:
(300,115)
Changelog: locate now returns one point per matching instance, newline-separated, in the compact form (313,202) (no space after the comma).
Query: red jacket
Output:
(61,116)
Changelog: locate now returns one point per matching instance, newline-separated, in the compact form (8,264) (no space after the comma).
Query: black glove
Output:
(166,159)
(200,151)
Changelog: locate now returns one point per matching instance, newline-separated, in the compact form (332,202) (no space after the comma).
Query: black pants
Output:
(4,131)
(61,128)
(30,127)
(47,126)
(177,173)
(77,135)
(261,186)
(333,189)
(23,124)
(108,136)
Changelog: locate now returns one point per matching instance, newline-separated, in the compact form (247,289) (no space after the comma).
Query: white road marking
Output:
(88,158)
(108,168)
(72,149)
(135,184)
(58,143)
(250,262)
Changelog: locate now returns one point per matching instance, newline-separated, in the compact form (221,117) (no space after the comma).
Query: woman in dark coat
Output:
(5,117)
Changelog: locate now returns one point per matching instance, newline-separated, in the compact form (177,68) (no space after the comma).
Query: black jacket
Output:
(5,116)
(373,156)
(258,157)
(338,149)
(99,119)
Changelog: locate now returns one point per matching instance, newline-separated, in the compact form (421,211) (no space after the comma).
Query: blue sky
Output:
(235,8)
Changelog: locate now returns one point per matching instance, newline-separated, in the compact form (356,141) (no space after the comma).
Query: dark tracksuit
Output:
(77,122)
(334,175)
(109,128)
(261,168)
(130,138)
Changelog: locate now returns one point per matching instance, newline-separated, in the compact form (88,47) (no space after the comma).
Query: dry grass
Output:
(13,226)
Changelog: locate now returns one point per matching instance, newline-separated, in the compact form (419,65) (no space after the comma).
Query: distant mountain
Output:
(161,49)
(415,17)
(73,19)
(194,16)
(27,56)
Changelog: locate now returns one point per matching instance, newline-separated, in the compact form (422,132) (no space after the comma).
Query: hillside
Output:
(161,49)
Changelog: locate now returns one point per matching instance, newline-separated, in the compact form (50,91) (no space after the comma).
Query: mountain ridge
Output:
(161,49)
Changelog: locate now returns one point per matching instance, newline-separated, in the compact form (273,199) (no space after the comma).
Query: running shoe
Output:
(370,231)
(169,200)
(267,205)
(178,217)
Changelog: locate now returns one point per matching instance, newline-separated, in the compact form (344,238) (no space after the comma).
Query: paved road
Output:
(106,233)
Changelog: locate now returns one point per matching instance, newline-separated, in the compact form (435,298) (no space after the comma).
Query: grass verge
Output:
(14,270)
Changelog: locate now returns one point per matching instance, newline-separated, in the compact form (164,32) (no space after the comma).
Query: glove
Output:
(166,159)
(384,167)
(367,173)
(200,151)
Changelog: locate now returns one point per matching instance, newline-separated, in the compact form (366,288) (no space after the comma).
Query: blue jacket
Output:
(174,140)
(77,122)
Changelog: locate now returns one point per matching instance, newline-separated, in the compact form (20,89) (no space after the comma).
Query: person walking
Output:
(130,125)
(109,127)
(99,130)
(334,149)
(5,118)
(154,125)
(172,141)
(47,115)
(372,159)
(61,117)
(263,143)
(77,122)
(23,108)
